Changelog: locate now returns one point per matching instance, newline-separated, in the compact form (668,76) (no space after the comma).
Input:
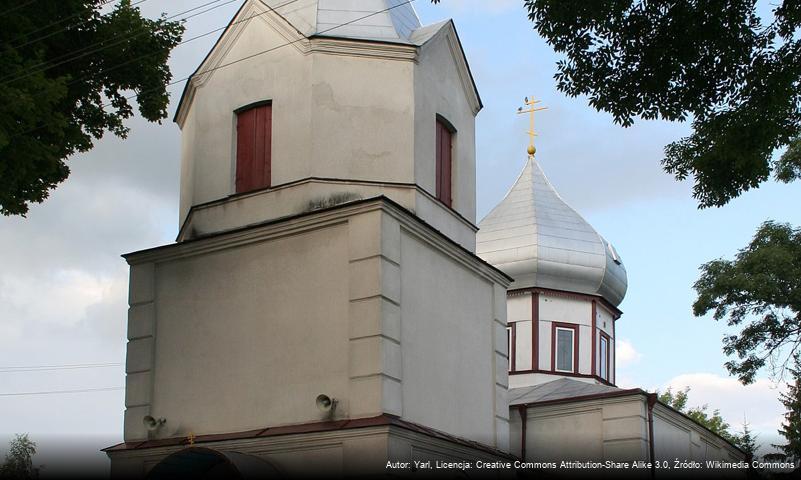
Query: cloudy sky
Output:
(63,285)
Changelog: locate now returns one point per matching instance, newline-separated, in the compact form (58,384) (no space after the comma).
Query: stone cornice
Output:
(314,220)
(362,48)
(338,181)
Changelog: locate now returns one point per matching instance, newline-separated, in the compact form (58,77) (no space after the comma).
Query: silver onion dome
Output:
(537,239)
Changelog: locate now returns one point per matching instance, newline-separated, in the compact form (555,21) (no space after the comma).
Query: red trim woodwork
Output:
(444,163)
(535,330)
(575,328)
(594,340)
(253,148)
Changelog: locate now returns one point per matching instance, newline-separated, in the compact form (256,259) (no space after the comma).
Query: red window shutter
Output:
(444,163)
(253,148)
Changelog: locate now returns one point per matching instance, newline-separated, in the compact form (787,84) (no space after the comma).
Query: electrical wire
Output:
(218,67)
(46,368)
(184,42)
(248,57)
(60,29)
(59,392)
(12,9)
(87,50)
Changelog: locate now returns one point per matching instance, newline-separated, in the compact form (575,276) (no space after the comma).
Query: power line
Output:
(12,9)
(53,24)
(218,67)
(59,392)
(45,368)
(184,42)
(88,50)
(278,46)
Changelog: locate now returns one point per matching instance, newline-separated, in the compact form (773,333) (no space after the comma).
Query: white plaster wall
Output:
(360,452)
(334,115)
(566,310)
(518,308)
(523,345)
(544,340)
(678,437)
(362,119)
(571,435)
(607,429)
(438,91)
(283,76)
(447,341)
(248,337)
(585,350)
(605,320)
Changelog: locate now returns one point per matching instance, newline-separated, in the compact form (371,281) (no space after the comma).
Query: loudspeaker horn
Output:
(325,403)
(153,423)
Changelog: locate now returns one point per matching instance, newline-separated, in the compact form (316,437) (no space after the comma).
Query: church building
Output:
(331,303)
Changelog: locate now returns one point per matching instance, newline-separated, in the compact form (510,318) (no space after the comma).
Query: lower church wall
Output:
(362,302)
(348,452)
(617,429)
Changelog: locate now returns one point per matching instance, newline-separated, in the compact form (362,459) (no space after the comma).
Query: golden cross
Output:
(532,107)
(191,438)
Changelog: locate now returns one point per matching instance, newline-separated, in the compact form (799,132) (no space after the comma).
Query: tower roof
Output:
(533,236)
(396,21)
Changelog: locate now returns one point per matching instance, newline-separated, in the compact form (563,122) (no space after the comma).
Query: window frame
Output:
(574,329)
(608,360)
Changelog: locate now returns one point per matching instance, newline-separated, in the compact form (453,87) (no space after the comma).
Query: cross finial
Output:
(532,107)
(191,438)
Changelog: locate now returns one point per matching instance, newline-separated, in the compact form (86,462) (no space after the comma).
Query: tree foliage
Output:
(19,459)
(713,62)
(713,421)
(65,72)
(791,427)
(760,289)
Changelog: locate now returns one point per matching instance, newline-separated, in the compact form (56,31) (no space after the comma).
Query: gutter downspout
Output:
(523,410)
(652,399)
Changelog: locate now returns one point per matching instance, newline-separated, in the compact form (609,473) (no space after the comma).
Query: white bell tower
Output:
(322,309)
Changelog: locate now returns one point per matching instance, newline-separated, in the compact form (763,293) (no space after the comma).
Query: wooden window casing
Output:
(444,162)
(253,147)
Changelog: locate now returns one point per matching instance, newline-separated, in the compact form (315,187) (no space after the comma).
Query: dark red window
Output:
(444,162)
(253,141)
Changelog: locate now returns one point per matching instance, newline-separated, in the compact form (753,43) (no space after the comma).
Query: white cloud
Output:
(757,403)
(626,353)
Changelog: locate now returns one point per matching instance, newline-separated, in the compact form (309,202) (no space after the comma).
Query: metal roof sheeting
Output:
(564,388)
(533,236)
(380,20)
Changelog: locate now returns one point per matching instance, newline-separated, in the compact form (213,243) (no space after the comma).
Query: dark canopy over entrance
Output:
(205,463)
